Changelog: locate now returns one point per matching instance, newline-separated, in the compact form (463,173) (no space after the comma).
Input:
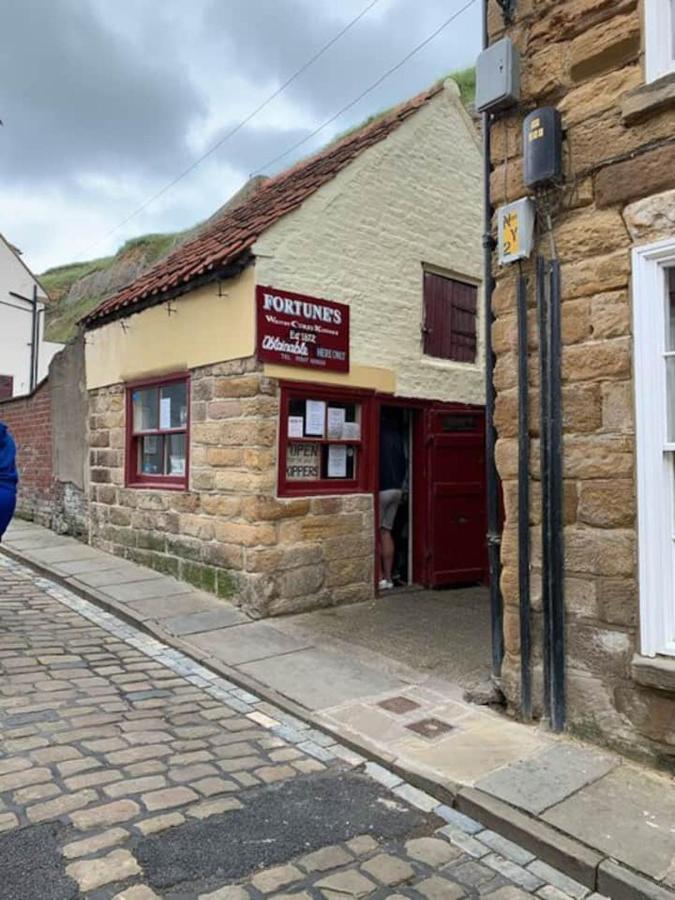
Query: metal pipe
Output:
(544,394)
(555,561)
(524,506)
(492,480)
(33,340)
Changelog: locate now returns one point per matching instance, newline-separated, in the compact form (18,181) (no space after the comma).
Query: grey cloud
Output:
(77,97)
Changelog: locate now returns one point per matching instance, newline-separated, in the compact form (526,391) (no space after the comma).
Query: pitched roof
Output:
(232,236)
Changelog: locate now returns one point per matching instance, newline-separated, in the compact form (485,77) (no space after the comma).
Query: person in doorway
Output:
(393,476)
(8,478)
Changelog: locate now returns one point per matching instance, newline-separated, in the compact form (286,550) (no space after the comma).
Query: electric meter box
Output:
(515,225)
(498,76)
(542,147)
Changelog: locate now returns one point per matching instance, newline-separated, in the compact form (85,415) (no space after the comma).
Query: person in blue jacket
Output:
(9,478)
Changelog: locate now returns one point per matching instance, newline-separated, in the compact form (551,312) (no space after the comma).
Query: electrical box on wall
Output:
(515,223)
(542,147)
(498,76)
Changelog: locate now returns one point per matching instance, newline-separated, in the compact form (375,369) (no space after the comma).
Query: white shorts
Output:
(389,503)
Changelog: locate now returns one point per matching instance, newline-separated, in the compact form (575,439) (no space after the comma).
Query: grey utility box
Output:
(498,76)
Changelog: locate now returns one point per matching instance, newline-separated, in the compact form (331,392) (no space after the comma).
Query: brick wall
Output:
(585,58)
(29,420)
(228,533)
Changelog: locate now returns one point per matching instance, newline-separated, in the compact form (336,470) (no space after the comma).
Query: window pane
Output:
(176,446)
(173,405)
(670,398)
(303,462)
(151,455)
(338,462)
(670,309)
(145,405)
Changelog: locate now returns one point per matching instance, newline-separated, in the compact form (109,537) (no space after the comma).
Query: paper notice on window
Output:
(178,465)
(295,426)
(315,417)
(303,462)
(165,412)
(351,431)
(336,421)
(337,461)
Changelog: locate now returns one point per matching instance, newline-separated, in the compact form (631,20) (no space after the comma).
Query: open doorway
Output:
(394,498)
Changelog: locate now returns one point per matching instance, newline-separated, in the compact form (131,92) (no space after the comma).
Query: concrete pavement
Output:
(129,771)
(601,819)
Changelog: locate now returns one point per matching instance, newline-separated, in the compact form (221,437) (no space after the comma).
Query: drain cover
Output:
(430,728)
(398,705)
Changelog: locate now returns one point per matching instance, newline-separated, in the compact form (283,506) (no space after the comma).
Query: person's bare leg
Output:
(387,554)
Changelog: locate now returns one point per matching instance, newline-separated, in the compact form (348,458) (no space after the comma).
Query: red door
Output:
(455,470)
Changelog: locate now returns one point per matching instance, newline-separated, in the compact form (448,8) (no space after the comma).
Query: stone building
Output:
(236,388)
(608,66)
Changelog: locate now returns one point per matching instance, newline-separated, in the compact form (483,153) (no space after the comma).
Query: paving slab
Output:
(546,779)
(97,563)
(476,748)
(196,623)
(120,573)
(61,553)
(159,586)
(319,679)
(629,814)
(244,643)
(171,605)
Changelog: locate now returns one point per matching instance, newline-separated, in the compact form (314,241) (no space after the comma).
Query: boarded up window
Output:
(6,386)
(449,318)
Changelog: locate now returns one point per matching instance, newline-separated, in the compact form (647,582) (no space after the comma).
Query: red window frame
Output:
(134,478)
(450,323)
(365,462)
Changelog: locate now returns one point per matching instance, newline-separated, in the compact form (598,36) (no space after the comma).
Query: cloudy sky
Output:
(104,102)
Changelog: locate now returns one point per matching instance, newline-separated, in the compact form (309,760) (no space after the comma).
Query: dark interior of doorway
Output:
(399,418)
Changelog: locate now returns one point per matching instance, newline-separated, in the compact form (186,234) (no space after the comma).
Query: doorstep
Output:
(607,823)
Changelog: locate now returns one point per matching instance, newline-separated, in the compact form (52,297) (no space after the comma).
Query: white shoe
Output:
(385,585)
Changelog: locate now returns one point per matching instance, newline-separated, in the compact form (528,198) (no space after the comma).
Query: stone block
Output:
(598,95)
(596,551)
(245,534)
(607,504)
(242,386)
(596,275)
(223,409)
(575,321)
(219,505)
(546,71)
(617,601)
(301,582)
(94,873)
(228,556)
(589,233)
(651,218)
(223,457)
(265,508)
(318,527)
(647,173)
(609,45)
(647,99)
(597,360)
(610,315)
(598,456)
(581,408)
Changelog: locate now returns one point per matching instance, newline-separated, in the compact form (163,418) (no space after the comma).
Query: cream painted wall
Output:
(362,239)
(205,328)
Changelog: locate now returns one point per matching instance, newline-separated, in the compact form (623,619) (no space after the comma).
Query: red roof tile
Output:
(235,233)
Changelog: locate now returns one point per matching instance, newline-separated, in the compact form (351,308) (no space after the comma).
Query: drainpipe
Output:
(492,480)
(35,340)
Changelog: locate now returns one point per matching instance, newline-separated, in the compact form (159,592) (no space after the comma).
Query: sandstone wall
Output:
(585,57)
(228,534)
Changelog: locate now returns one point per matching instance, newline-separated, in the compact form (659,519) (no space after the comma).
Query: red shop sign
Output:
(294,330)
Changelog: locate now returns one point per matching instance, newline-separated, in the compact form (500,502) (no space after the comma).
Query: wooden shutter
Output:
(449,318)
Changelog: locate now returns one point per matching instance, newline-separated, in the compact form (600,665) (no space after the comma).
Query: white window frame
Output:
(659,50)
(655,456)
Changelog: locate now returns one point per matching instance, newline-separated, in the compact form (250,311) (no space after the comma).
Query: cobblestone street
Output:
(129,771)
